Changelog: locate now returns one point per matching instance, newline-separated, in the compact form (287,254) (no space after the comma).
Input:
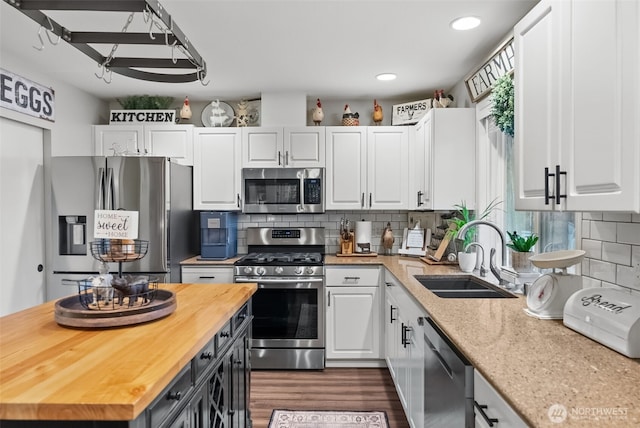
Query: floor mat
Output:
(328,419)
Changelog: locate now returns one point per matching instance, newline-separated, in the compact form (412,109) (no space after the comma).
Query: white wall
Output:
(75,111)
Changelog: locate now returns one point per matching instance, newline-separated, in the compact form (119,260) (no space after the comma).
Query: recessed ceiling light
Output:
(386,76)
(465,23)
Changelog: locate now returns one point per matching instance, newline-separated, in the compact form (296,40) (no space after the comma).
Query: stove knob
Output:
(310,271)
(299,270)
(261,271)
(279,270)
(247,270)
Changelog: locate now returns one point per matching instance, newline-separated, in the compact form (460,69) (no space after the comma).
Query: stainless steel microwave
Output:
(283,190)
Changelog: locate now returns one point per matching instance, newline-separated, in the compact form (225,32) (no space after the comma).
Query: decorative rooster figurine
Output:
(185,111)
(387,239)
(318,114)
(377,112)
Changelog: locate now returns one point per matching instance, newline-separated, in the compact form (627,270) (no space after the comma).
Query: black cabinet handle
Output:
(481,408)
(207,277)
(405,340)
(206,356)
(370,200)
(279,157)
(420,197)
(224,334)
(558,194)
(547,196)
(362,201)
(174,396)
(391,318)
(238,199)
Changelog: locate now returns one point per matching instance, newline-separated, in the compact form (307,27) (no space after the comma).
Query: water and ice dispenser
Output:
(218,235)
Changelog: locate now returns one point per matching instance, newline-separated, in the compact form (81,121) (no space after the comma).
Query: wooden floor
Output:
(330,389)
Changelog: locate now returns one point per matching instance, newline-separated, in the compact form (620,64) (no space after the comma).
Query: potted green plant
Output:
(463,216)
(521,250)
(502,103)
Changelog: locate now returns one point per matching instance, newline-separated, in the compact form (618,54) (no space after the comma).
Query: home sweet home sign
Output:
(480,82)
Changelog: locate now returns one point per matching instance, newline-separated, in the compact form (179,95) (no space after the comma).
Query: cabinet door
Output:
(537,42)
(116,140)
(451,165)
(419,166)
(262,147)
(304,147)
(490,402)
(346,173)
(601,138)
(217,171)
(353,320)
(172,141)
(207,274)
(391,333)
(388,167)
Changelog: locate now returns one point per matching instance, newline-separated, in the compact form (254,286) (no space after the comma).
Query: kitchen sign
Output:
(115,224)
(480,82)
(410,113)
(24,96)
(142,116)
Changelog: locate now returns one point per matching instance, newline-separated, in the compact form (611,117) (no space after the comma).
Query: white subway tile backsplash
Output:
(635,218)
(629,233)
(592,216)
(603,231)
(628,277)
(588,282)
(602,270)
(593,248)
(617,217)
(616,253)
(586,229)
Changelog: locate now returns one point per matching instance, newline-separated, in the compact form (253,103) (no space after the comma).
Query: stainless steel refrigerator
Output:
(161,192)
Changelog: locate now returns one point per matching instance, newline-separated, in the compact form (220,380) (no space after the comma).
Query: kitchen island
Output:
(125,374)
(534,364)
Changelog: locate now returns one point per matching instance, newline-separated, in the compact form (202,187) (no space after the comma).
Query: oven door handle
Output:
(277,280)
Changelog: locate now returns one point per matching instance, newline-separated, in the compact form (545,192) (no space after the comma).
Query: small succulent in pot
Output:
(520,243)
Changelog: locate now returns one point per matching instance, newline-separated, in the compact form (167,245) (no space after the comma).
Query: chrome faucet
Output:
(483,270)
(492,265)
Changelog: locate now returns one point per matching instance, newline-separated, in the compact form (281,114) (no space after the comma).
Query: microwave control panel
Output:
(312,191)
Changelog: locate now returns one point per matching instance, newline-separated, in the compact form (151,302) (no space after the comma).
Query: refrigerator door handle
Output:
(109,190)
(100,189)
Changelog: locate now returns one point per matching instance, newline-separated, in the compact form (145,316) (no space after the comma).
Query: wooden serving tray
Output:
(69,312)
(372,254)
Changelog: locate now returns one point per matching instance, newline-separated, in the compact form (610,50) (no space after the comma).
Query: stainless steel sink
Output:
(462,287)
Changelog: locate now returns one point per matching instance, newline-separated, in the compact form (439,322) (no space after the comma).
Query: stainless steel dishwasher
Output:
(448,378)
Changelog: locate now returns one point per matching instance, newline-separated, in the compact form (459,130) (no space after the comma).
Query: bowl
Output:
(557,259)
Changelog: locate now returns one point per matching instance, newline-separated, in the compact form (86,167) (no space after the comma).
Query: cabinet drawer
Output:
(349,276)
(240,317)
(171,398)
(207,274)
(223,336)
(203,359)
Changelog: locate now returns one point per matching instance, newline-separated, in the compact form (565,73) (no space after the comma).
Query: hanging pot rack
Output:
(153,13)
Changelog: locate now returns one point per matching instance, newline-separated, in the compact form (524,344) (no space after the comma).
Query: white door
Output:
(388,168)
(172,141)
(112,140)
(21,216)
(304,147)
(262,147)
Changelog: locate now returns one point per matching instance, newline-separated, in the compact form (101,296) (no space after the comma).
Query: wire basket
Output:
(119,250)
(129,293)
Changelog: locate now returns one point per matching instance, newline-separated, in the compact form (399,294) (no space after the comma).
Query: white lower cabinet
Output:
(490,408)
(353,313)
(404,349)
(207,274)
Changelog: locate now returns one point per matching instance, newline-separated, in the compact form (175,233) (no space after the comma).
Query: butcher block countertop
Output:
(52,372)
(533,363)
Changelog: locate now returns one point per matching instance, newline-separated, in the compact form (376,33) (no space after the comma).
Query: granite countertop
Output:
(58,373)
(196,261)
(533,363)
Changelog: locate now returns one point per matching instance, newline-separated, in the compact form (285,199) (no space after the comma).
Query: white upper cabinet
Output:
(217,169)
(577,105)
(367,167)
(172,141)
(443,160)
(266,147)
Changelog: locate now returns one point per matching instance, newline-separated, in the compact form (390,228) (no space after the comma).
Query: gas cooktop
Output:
(281,259)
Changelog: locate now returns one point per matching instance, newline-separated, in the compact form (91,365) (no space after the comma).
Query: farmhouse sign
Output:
(408,113)
(480,82)
(141,116)
(118,224)
(25,96)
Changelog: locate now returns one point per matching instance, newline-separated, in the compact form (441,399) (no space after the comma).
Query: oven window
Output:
(285,314)
(265,191)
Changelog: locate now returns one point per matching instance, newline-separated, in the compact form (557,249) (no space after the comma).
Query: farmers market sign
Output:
(480,82)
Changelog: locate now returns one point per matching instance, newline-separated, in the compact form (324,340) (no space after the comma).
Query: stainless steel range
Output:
(288,308)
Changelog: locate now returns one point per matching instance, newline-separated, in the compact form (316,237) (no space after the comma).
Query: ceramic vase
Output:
(520,261)
(467,261)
